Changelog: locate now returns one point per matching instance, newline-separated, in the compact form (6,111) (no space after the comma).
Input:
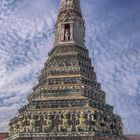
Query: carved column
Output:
(71,31)
(62,33)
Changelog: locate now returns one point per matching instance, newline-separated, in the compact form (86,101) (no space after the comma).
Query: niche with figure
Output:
(67,32)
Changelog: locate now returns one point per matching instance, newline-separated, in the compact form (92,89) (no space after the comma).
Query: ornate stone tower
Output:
(67,103)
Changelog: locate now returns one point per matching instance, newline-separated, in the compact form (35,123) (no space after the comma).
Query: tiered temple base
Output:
(43,136)
(80,123)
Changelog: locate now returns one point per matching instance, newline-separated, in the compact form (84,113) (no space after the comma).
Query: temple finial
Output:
(70,4)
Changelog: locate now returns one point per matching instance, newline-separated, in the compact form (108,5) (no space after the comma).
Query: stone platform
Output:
(43,136)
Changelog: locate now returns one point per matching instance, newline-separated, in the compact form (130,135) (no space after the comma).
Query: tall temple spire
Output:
(67,103)
(70,27)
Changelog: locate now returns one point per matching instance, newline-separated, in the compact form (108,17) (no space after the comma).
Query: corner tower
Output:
(68,102)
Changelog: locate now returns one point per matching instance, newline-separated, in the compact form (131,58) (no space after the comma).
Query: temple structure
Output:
(68,102)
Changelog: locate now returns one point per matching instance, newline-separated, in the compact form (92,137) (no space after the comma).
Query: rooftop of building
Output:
(133,136)
(3,135)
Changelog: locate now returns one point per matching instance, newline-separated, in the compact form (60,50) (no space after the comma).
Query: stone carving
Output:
(67,35)
(66,3)
(81,126)
(62,33)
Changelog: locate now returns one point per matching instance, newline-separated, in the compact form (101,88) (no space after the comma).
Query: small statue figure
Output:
(67,34)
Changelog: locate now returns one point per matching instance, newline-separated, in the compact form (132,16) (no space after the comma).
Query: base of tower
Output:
(67,138)
(42,136)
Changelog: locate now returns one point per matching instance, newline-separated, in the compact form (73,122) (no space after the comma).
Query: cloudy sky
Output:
(112,36)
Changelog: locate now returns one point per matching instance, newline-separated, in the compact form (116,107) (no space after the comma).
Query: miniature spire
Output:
(70,27)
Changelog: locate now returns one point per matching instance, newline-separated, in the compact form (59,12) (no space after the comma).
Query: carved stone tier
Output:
(60,136)
(78,121)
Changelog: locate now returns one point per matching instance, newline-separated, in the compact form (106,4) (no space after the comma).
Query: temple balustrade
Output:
(59,103)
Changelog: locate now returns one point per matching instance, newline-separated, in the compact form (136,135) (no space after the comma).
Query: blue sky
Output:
(112,36)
